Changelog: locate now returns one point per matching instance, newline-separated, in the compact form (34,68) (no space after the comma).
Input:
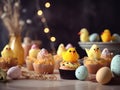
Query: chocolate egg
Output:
(14,72)
(81,73)
(115,65)
(94,37)
(104,75)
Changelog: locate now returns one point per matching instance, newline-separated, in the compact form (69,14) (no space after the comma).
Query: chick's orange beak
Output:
(79,33)
(96,50)
(102,33)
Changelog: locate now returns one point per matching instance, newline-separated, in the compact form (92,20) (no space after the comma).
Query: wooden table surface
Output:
(59,84)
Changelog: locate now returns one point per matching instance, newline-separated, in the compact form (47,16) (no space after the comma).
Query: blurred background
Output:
(65,18)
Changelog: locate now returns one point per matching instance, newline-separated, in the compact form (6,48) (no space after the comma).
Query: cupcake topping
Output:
(70,55)
(68,46)
(34,46)
(106,53)
(69,65)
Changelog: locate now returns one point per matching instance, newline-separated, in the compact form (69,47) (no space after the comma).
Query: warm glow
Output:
(46,30)
(40,12)
(47,4)
(53,39)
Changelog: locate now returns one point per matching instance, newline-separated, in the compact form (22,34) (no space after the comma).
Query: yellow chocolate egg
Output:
(104,75)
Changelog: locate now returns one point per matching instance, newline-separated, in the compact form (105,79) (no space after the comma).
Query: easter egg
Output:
(14,72)
(116,37)
(104,75)
(115,65)
(94,37)
(81,73)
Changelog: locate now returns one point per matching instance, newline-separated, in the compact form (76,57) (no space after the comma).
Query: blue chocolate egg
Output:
(81,73)
(116,37)
(94,37)
(115,65)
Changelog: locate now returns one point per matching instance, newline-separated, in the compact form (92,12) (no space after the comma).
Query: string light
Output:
(47,5)
(53,39)
(46,28)
(40,12)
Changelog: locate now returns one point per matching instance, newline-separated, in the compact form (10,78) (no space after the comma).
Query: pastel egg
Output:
(81,73)
(115,65)
(104,75)
(14,72)
(116,37)
(94,37)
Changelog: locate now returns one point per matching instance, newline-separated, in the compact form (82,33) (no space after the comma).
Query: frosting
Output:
(44,57)
(69,65)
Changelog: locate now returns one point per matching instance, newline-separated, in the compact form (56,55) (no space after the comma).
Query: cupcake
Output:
(69,64)
(94,61)
(29,63)
(58,56)
(7,58)
(107,55)
(94,65)
(44,62)
(32,56)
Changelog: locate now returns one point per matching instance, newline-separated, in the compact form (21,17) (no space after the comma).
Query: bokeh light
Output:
(47,4)
(52,39)
(40,12)
(46,30)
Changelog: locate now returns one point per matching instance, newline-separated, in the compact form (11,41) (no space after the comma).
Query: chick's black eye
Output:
(70,51)
(97,48)
(73,51)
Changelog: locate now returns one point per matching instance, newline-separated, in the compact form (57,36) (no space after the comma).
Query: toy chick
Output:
(84,35)
(34,51)
(94,52)
(61,48)
(106,36)
(70,55)
(7,52)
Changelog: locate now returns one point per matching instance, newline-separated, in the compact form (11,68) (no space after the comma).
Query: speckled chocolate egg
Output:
(115,65)
(94,37)
(81,73)
(14,72)
(104,75)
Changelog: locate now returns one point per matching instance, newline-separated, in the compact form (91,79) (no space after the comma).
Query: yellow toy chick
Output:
(94,52)
(61,48)
(70,55)
(84,35)
(34,51)
(7,52)
(106,36)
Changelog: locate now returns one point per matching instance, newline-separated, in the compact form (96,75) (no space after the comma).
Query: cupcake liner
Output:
(42,69)
(67,74)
